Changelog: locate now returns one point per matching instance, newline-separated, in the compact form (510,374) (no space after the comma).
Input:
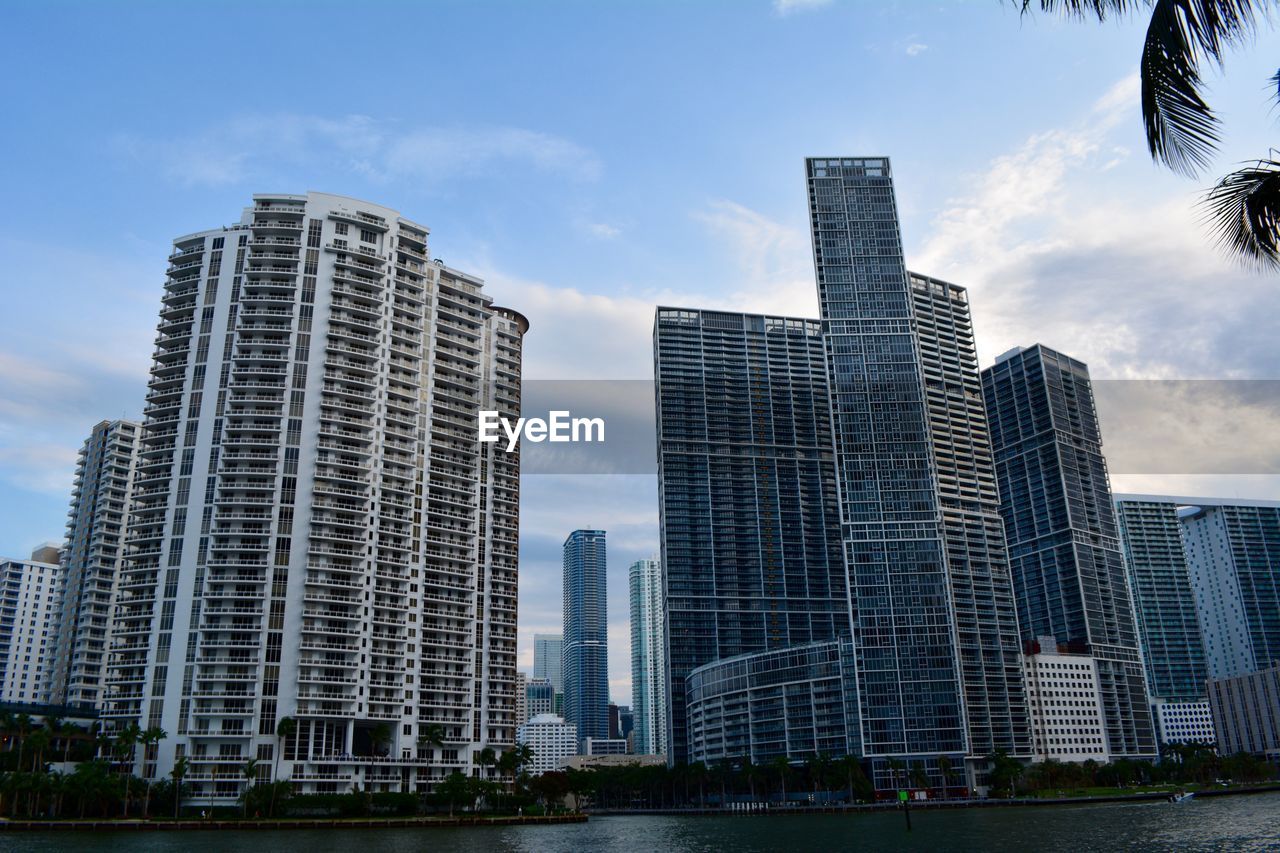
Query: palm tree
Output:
(380,736)
(250,771)
(285,729)
(946,767)
(179,772)
(149,738)
(431,736)
(783,767)
(1181,128)
(125,740)
(22,724)
(896,766)
(856,778)
(486,758)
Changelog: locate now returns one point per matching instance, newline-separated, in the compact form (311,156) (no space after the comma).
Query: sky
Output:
(592,160)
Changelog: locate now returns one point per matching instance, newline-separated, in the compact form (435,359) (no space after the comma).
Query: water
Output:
(1242,823)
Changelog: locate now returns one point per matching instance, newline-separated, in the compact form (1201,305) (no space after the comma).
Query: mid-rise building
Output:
(30,591)
(551,739)
(1233,553)
(91,561)
(522,698)
(789,703)
(586,634)
(748,507)
(1163,599)
(317,531)
(547,659)
(1246,712)
(540,698)
(1184,722)
(604,746)
(1063,538)
(1065,697)
(648,658)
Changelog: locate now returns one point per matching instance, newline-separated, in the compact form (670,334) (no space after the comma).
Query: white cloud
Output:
(603,230)
(783,8)
(916,48)
(253,147)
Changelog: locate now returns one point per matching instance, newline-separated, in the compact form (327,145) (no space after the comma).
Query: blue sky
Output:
(591,160)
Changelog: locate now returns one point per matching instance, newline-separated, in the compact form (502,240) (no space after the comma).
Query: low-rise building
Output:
(551,739)
(604,746)
(1183,722)
(588,762)
(1246,712)
(1065,700)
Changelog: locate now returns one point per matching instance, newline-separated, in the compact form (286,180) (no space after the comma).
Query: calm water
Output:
(1224,823)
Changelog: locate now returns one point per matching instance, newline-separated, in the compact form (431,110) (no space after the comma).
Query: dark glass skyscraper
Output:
(586,634)
(747,491)
(1064,544)
(904,630)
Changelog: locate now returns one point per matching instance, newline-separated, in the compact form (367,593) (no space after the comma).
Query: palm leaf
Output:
(1244,211)
(1182,131)
(1100,9)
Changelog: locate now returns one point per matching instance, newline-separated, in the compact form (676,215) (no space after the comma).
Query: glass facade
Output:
(1064,545)
(586,634)
(904,632)
(748,502)
(648,656)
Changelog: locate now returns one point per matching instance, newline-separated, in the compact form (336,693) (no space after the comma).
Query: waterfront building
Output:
(540,698)
(648,658)
(1183,722)
(604,746)
(91,561)
(317,532)
(586,634)
(977,560)
(1063,538)
(1065,698)
(1246,712)
(589,762)
(789,703)
(1164,602)
(547,659)
(748,504)
(1233,553)
(30,591)
(551,739)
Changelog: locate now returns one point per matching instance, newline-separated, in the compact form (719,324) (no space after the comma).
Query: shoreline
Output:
(138,825)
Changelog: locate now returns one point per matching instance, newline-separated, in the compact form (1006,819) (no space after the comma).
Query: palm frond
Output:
(1101,9)
(1244,211)
(1182,131)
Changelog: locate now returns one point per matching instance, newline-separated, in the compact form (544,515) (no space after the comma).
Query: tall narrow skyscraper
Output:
(648,658)
(586,634)
(1068,568)
(317,531)
(746,483)
(910,695)
(548,659)
(92,559)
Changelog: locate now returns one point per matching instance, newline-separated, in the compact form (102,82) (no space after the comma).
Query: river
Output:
(1237,824)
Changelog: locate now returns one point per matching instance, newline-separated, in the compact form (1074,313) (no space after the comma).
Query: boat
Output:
(1181,796)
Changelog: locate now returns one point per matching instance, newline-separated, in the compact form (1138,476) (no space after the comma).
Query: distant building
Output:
(551,739)
(785,703)
(1246,712)
(648,657)
(586,634)
(1233,552)
(29,594)
(540,698)
(586,762)
(626,721)
(604,746)
(547,658)
(100,500)
(1064,693)
(522,698)
(1064,542)
(1184,722)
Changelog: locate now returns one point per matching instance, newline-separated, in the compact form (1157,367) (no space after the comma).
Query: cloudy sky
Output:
(593,159)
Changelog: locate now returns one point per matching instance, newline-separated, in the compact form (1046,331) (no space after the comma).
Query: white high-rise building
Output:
(648,657)
(551,739)
(318,533)
(1065,699)
(29,594)
(91,561)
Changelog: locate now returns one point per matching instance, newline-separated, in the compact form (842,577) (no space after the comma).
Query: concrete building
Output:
(1183,722)
(1065,697)
(92,559)
(522,698)
(588,762)
(1068,567)
(317,532)
(586,634)
(30,591)
(548,657)
(1233,553)
(551,739)
(1246,712)
(648,658)
(540,698)
(748,504)
(604,746)
(793,702)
